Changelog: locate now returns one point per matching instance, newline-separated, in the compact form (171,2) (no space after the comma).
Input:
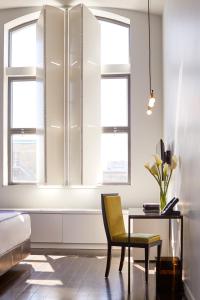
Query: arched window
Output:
(20,83)
(20,87)
(115,101)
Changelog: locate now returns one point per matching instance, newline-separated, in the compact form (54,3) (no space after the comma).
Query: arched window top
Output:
(111,16)
(20,41)
(114,43)
(115,38)
(22,45)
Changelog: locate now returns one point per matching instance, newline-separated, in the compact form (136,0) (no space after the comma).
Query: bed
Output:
(15,231)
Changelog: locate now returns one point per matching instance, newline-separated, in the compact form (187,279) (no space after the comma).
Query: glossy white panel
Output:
(182,122)
(66,98)
(46,228)
(84,97)
(40,80)
(89,230)
(54,90)
(75,94)
(91,133)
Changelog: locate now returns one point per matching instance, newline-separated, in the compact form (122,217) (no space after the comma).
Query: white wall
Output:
(145,131)
(182,122)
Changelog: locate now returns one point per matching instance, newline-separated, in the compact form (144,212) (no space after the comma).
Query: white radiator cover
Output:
(83,229)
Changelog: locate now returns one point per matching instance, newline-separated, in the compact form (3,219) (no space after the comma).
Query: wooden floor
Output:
(53,277)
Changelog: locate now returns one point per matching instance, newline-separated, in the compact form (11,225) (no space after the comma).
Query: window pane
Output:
(23,46)
(114,102)
(23,104)
(115,157)
(23,158)
(114,43)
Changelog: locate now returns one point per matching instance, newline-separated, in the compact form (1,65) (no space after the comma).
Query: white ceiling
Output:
(139,5)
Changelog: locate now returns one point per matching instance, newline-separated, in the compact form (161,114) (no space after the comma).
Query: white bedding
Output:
(15,228)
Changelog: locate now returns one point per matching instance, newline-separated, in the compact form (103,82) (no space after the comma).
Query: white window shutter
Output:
(84,97)
(50,78)
(40,79)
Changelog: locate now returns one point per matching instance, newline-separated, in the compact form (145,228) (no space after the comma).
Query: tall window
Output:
(21,82)
(20,74)
(115,101)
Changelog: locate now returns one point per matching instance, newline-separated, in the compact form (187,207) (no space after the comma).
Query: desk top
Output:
(138,213)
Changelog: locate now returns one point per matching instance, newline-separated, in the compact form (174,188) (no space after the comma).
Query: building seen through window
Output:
(22,104)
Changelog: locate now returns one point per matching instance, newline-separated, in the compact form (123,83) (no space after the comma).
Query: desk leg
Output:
(170,238)
(181,254)
(129,272)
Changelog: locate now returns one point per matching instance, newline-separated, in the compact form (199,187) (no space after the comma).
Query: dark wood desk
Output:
(138,213)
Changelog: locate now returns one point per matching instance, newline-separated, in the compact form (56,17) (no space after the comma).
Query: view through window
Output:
(115,99)
(22,104)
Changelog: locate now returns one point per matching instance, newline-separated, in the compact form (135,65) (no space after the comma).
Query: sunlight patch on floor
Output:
(36,257)
(55,257)
(39,266)
(131,260)
(152,272)
(45,282)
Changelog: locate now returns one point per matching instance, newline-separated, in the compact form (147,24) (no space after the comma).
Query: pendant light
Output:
(151,92)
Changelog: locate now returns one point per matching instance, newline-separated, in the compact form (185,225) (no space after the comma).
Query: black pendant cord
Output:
(149,28)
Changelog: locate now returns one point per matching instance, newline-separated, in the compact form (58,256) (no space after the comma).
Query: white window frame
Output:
(10,74)
(12,131)
(119,71)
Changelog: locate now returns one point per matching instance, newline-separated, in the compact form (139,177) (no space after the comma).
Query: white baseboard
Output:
(188,292)
(68,246)
(138,254)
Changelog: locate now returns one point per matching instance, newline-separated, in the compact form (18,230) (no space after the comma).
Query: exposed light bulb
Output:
(151,100)
(149,111)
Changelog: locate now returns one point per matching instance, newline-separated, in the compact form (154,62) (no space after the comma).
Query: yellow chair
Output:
(116,235)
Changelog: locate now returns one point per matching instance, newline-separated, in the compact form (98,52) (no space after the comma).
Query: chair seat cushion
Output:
(137,238)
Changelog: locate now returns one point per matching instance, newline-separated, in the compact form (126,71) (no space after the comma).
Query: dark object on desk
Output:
(168,275)
(151,206)
(151,212)
(168,209)
(165,155)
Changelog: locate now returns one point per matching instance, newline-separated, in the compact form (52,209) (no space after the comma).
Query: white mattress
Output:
(15,228)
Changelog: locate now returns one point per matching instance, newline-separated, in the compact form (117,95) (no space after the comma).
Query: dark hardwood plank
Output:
(63,277)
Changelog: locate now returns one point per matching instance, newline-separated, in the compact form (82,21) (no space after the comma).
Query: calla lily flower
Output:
(165,170)
(154,170)
(147,166)
(158,160)
(173,162)
(162,174)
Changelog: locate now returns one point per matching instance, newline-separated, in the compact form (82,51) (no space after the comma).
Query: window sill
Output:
(40,186)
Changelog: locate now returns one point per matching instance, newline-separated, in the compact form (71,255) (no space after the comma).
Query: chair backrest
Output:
(112,215)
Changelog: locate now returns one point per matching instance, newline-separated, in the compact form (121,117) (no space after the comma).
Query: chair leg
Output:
(146,263)
(123,250)
(159,251)
(159,247)
(108,261)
